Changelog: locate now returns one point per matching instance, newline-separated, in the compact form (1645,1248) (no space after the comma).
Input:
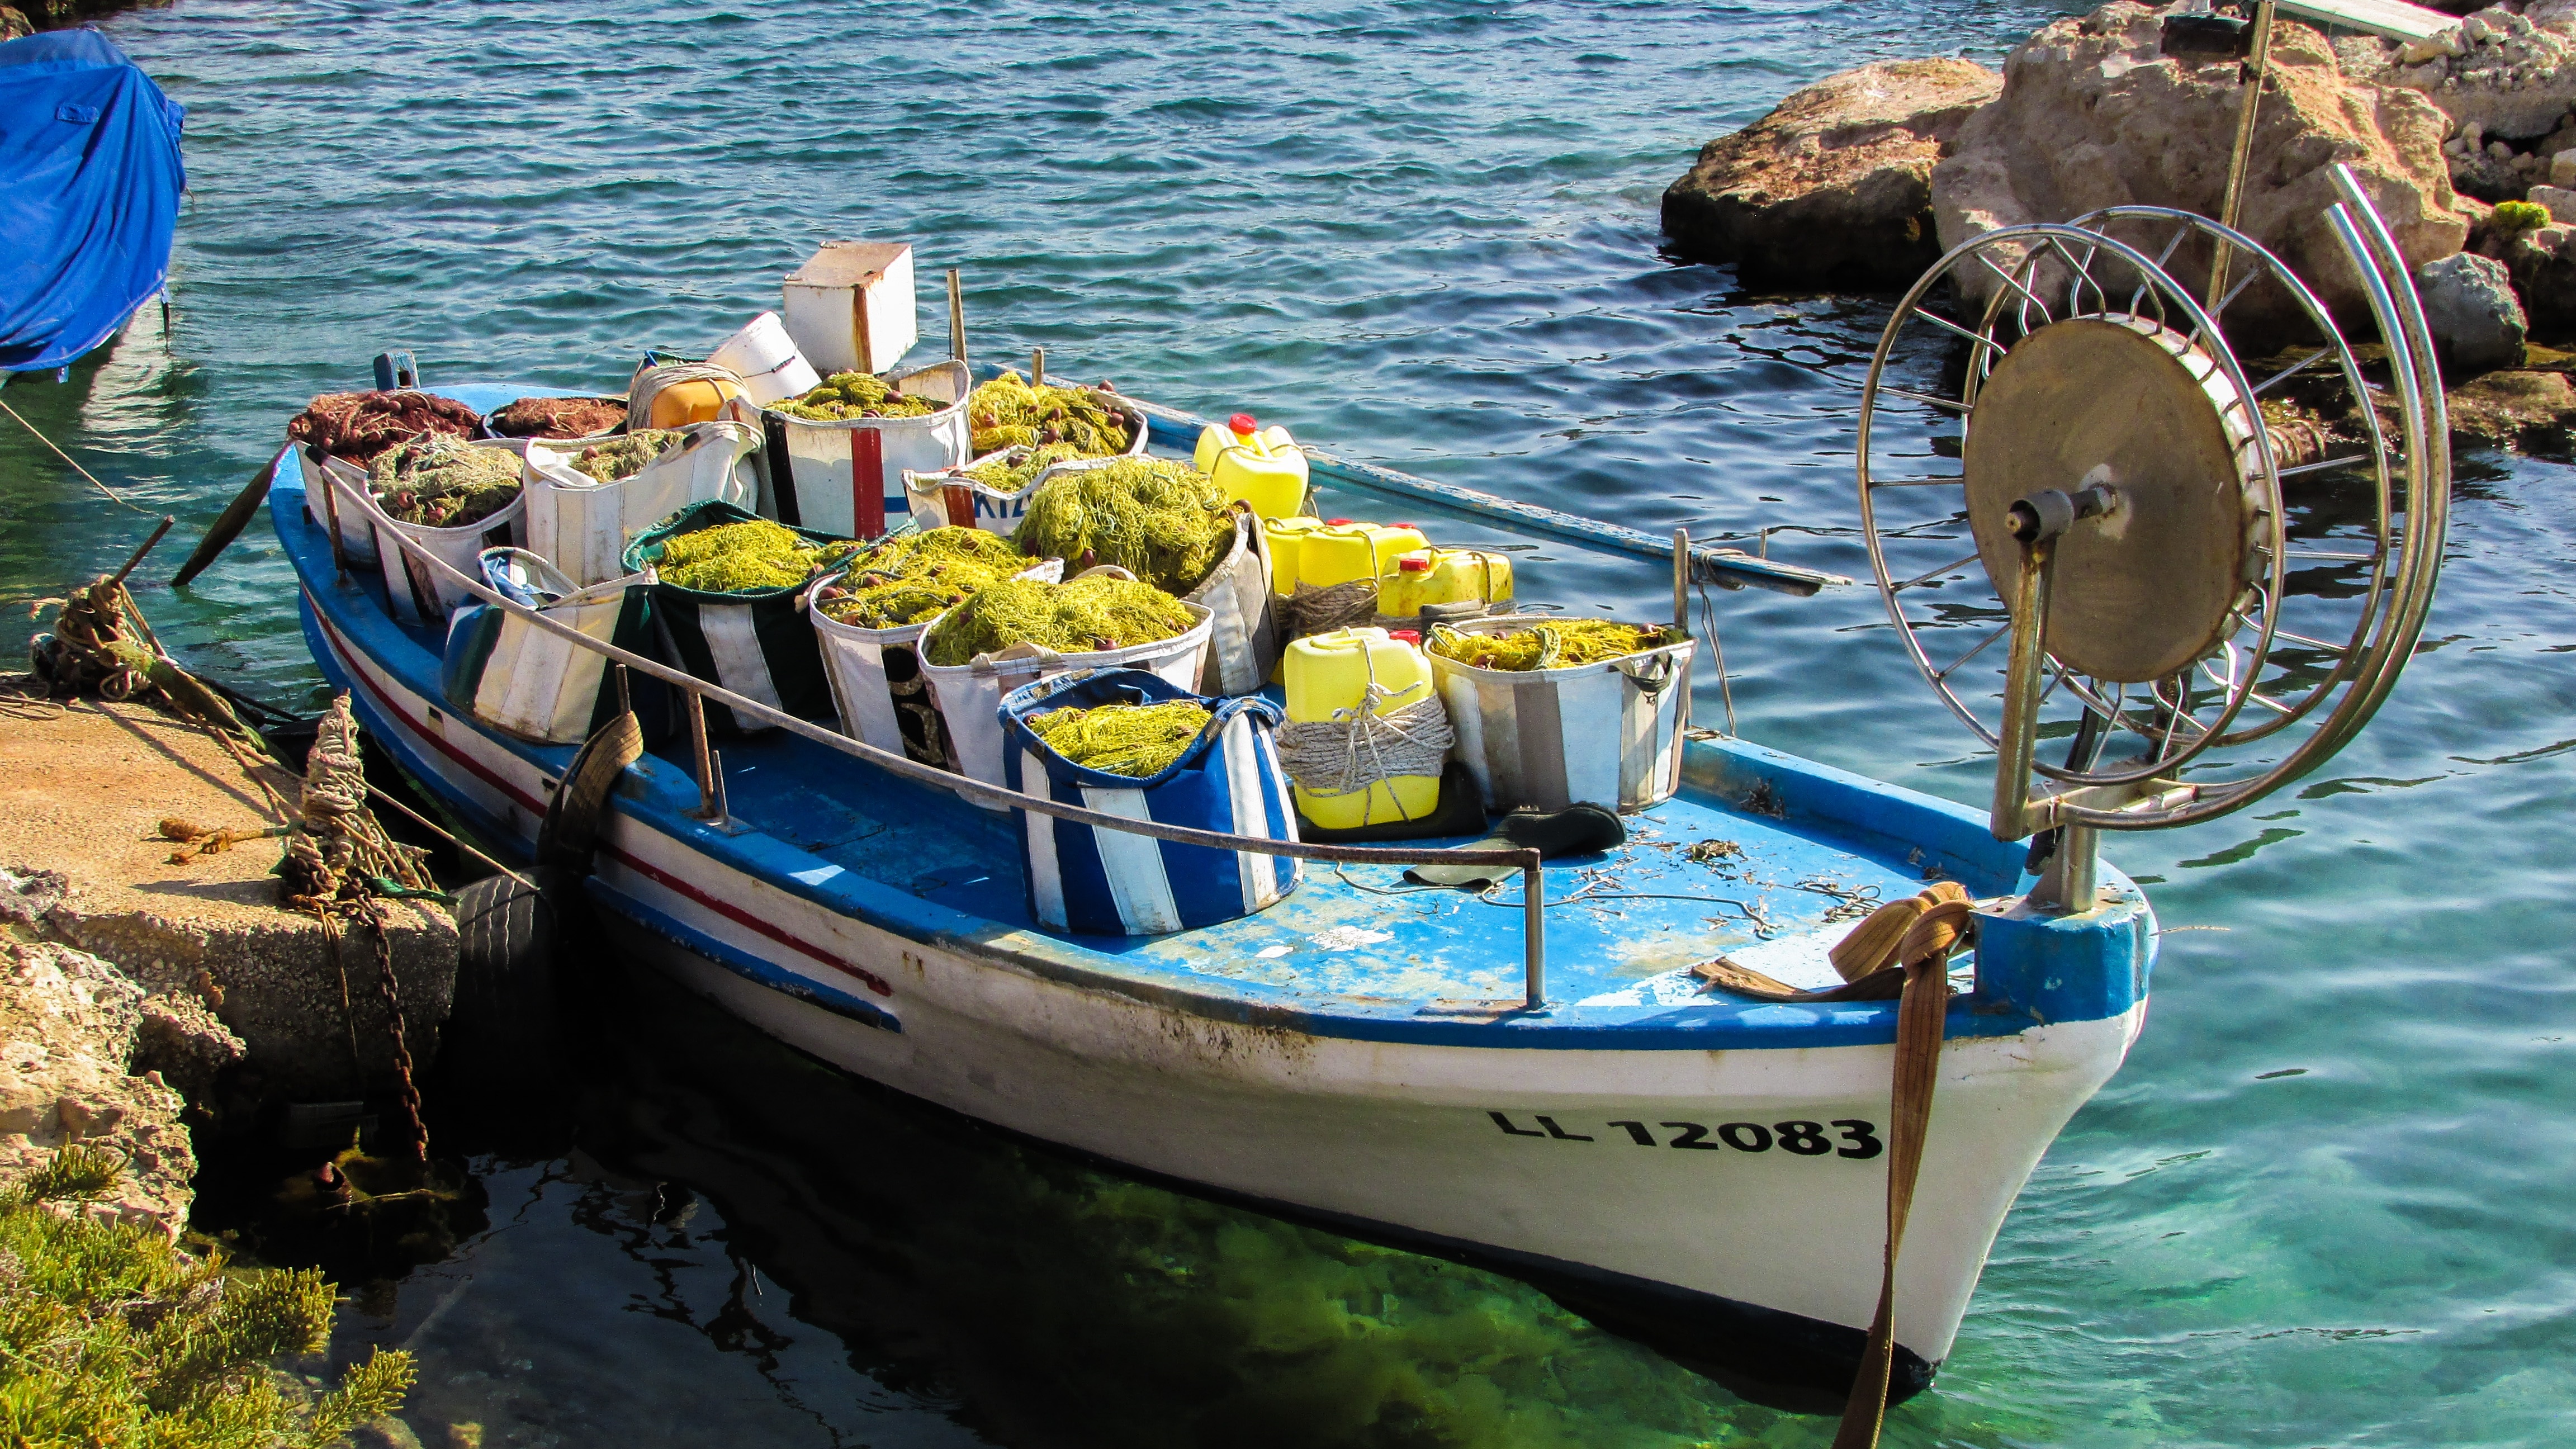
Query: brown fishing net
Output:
(359,425)
(560,417)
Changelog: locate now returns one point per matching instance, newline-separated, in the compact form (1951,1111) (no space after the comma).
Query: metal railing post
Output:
(702,760)
(1533,931)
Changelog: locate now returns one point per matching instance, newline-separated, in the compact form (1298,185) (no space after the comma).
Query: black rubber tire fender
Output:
(504,1002)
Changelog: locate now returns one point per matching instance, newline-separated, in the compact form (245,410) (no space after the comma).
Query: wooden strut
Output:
(2256,67)
(1922,1014)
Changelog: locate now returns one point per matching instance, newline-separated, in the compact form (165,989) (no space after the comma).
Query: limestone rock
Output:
(1834,185)
(2529,410)
(67,1027)
(2543,264)
(2092,116)
(2558,201)
(14,23)
(2477,322)
(82,794)
(2513,75)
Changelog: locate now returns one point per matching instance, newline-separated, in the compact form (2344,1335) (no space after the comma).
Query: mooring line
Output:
(112,494)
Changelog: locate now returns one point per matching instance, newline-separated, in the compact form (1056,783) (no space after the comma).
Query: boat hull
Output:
(1724,1206)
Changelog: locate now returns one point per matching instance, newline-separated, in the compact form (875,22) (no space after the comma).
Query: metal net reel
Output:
(2202,578)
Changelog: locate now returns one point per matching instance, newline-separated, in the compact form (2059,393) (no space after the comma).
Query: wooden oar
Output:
(229,526)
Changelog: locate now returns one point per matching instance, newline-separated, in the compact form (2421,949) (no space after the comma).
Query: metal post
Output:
(700,760)
(956,314)
(718,808)
(625,692)
(331,512)
(1681,580)
(1037,367)
(2255,67)
(2067,882)
(2022,677)
(1534,930)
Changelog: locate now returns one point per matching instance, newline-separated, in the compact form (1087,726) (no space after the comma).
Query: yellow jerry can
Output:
(1443,576)
(1332,672)
(1261,466)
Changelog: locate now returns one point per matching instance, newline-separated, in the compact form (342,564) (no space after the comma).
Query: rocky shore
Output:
(2465,142)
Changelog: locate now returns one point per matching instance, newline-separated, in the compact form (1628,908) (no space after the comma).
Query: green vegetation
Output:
(1007,412)
(911,576)
(1136,740)
(1557,644)
(112,1336)
(751,557)
(1081,617)
(625,456)
(1164,522)
(444,482)
(2511,218)
(847,395)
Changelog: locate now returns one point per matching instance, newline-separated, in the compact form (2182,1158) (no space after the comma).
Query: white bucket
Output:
(583,526)
(846,478)
(519,678)
(767,358)
(869,694)
(1608,733)
(969,695)
(349,482)
(1243,638)
(953,499)
(418,594)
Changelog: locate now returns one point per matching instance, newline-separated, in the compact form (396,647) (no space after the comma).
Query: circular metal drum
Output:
(2153,587)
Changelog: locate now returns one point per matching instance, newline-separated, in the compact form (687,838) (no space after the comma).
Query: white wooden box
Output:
(850,307)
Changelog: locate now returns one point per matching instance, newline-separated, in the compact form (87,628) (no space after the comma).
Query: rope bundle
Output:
(1357,748)
(1312,610)
(651,382)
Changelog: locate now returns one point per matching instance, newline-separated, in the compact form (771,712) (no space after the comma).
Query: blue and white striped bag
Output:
(1110,883)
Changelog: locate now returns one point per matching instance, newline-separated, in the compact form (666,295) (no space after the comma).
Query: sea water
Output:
(2331,1199)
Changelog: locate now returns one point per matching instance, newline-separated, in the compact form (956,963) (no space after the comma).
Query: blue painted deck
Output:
(1443,966)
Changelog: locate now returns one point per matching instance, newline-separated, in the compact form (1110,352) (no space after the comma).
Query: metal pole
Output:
(2067,882)
(2020,734)
(1037,367)
(719,809)
(700,760)
(1534,930)
(1681,580)
(2253,73)
(956,314)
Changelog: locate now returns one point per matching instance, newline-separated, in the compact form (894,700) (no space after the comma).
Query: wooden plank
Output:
(2394,19)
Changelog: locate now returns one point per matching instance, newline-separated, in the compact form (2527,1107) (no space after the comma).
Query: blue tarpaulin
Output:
(89,194)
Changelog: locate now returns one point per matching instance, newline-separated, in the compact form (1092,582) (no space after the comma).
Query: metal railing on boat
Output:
(704,766)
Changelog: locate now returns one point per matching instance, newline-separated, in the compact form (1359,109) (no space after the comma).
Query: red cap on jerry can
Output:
(1242,423)
(1413,564)
(1405,636)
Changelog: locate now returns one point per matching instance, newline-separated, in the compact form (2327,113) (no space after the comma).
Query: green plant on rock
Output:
(2512,218)
(111,1335)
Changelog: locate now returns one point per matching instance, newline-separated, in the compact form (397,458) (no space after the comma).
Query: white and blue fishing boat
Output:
(1673,1115)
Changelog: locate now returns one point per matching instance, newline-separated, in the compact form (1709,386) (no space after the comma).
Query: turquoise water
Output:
(2329,1200)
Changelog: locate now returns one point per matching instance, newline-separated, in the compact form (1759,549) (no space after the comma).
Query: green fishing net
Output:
(1020,468)
(1007,412)
(847,395)
(444,482)
(755,556)
(1082,617)
(1556,644)
(626,455)
(1135,740)
(912,576)
(1162,521)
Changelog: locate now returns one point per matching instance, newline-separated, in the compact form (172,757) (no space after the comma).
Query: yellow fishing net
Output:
(847,395)
(912,576)
(1556,644)
(754,556)
(1162,521)
(1135,740)
(625,456)
(1007,412)
(1013,473)
(1082,617)
(444,482)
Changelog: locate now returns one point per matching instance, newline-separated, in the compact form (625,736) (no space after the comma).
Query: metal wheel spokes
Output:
(2244,615)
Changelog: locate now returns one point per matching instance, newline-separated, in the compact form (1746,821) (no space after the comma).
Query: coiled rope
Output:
(654,380)
(1362,745)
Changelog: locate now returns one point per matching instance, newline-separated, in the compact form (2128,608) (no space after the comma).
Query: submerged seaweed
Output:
(1162,521)
(911,576)
(1556,644)
(438,481)
(1081,617)
(1008,412)
(1136,740)
(847,395)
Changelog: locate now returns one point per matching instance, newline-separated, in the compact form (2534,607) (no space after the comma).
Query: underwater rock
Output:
(2533,411)
(2092,115)
(1834,185)
(67,1030)
(2477,322)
